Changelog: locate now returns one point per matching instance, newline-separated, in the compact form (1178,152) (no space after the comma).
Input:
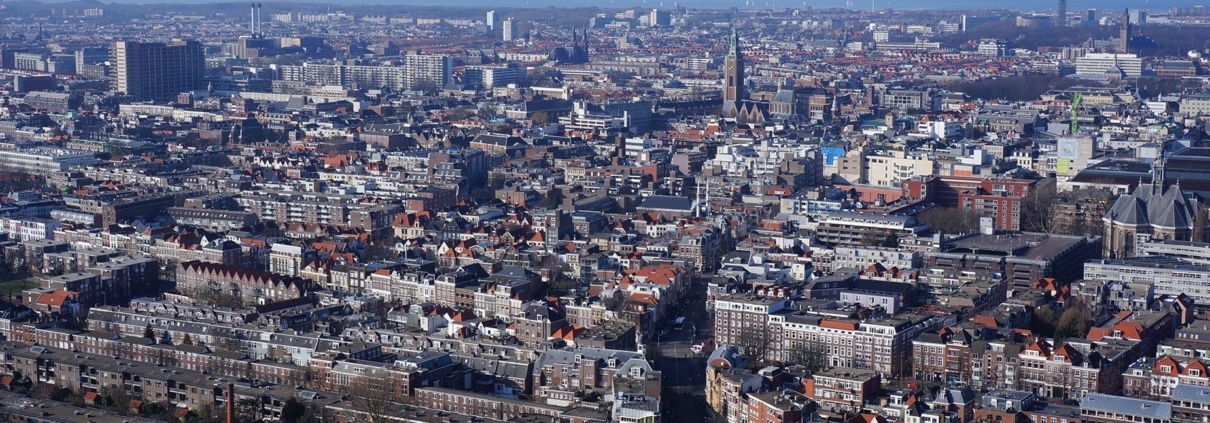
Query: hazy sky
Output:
(1026,5)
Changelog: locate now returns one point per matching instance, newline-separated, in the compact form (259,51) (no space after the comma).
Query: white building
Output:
(509,30)
(29,229)
(493,76)
(891,169)
(944,130)
(1100,63)
(861,257)
(44,161)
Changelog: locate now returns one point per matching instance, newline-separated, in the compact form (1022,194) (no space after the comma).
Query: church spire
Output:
(734,42)
(1157,170)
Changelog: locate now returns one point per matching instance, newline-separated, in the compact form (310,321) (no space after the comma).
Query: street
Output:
(683,370)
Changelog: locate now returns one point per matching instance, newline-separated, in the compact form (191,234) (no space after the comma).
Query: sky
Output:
(1023,5)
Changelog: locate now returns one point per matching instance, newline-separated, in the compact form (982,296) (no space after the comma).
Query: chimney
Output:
(230,403)
(252,27)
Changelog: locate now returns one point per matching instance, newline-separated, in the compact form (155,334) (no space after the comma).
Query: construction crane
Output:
(1075,112)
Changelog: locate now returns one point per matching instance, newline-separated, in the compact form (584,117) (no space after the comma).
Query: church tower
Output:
(733,75)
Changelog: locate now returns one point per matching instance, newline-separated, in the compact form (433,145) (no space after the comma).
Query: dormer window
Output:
(1195,372)
(1166,369)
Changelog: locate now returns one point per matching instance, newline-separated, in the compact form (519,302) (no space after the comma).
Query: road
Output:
(684,371)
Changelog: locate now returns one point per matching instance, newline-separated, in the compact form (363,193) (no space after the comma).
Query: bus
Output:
(679,324)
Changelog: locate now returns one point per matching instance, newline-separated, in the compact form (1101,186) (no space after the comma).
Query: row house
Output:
(250,285)
(559,374)
(485,406)
(503,298)
(1156,378)
(843,389)
(881,345)
(785,406)
(91,373)
(1190,403)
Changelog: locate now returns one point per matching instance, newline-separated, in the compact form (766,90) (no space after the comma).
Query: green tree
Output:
(293,411)
(1075,321)
(187,340)
(148,332)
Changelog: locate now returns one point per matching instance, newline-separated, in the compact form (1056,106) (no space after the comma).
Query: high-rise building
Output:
(492,19)
(1061,16)
(1137,18)
(659,18)
(157,71)
(509,30)
(1091,19)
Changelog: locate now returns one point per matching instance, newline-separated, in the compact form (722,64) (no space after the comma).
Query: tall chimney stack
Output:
(260,23)
(230,403)
(252,28)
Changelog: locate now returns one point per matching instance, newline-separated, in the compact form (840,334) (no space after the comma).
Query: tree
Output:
(206,413)
(293,411)
(42,390)
(115,398)
(755,345)
(891,241)
(187,340)
(810,355)
(148,332)
(248,409)
(1043,321)
(374,397)
(540,118)
(1075,321)
(1038,210)
(950,220)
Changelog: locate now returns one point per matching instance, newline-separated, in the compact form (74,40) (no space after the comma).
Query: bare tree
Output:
(810,355)
(1038,210)
(374,398)
(755,345)
(950,220)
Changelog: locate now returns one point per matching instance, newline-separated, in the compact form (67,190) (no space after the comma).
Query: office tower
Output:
(1061,17)
(491,20)
(1091,20)
(733,74)
(659,18)
(509,28)
(157,71)
(1138,19)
